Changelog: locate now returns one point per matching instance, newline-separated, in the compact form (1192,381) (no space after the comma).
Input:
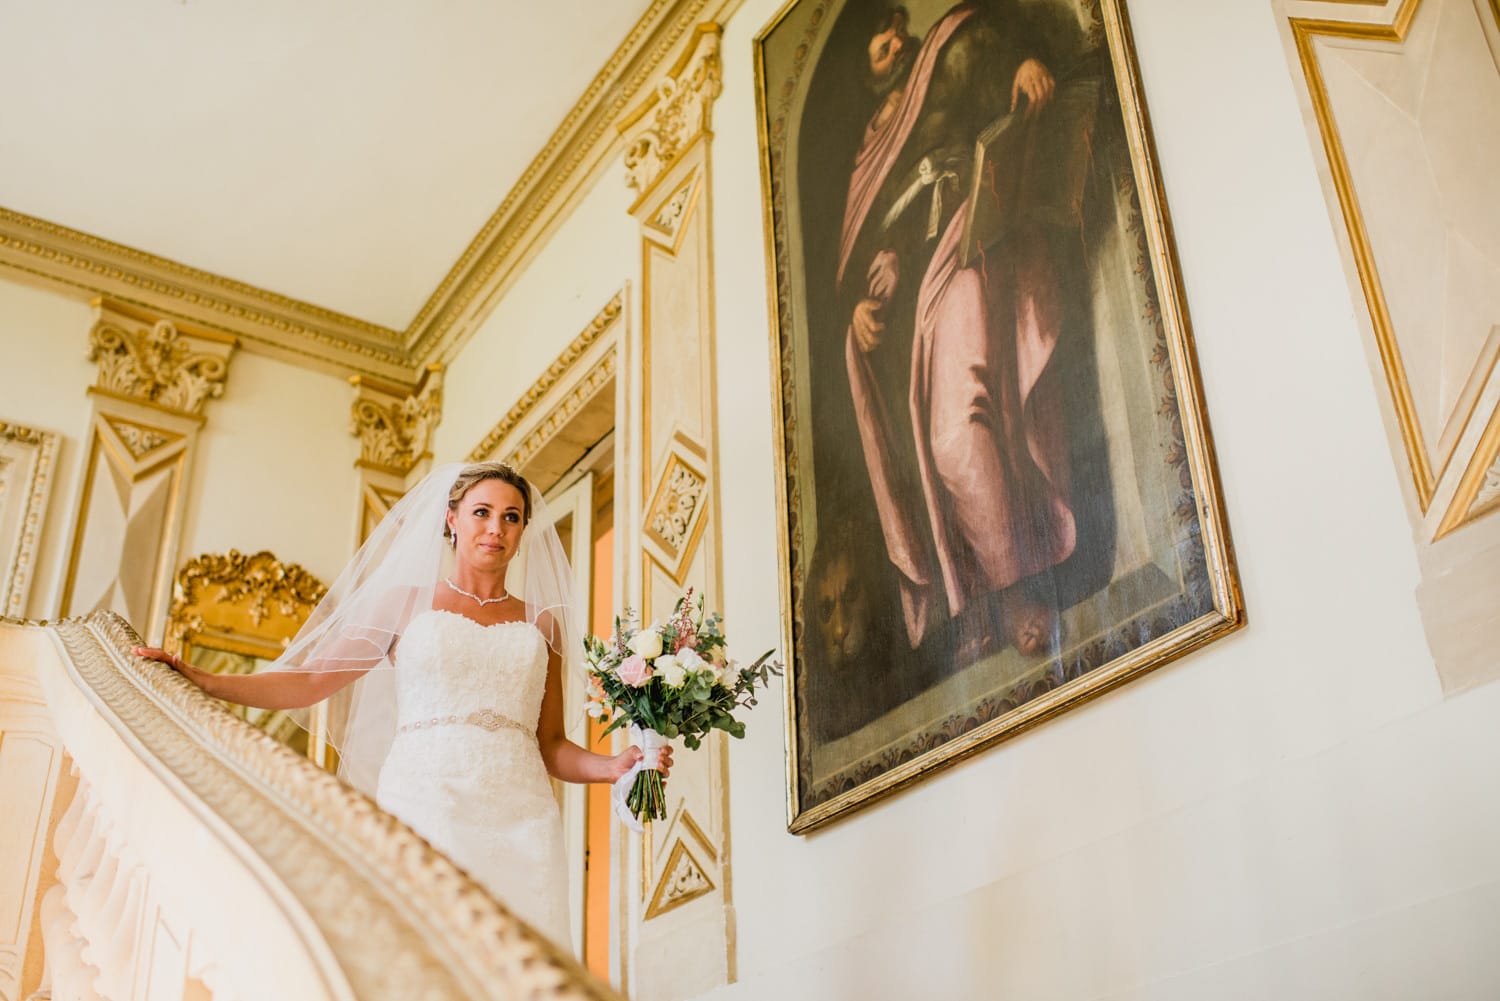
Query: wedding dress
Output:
(465,771)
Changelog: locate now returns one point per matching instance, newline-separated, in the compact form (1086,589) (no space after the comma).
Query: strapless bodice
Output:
(459,772)
(452,666)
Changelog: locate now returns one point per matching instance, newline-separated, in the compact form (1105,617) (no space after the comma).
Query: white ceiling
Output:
(342,152)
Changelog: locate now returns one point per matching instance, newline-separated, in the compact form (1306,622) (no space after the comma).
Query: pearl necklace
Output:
(467,594)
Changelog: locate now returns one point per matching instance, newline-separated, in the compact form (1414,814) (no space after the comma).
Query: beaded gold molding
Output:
(319,338)
(400,920)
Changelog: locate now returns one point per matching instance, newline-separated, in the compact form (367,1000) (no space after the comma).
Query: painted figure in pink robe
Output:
(950,349)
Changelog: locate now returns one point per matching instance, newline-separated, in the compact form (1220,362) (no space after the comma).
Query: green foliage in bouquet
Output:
(689,686)
(676,679)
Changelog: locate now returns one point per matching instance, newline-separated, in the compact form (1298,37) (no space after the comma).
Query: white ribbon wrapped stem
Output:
(650,742)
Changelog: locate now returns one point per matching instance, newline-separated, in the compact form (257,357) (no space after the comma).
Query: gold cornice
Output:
(528,401)
(312,335)
(325,340)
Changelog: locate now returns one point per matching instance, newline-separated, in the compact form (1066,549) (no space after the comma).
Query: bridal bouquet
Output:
(668,681)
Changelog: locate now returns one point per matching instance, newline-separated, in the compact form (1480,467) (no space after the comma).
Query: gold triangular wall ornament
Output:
(683,879)
(665,225)
(140,440)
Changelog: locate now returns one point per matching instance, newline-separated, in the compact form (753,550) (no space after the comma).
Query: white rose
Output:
(670,670)
(646,643)
(691,662)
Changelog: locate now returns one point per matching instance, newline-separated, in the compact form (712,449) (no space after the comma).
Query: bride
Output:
(451,681)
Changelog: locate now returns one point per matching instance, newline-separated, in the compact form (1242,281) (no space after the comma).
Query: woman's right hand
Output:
(176,663)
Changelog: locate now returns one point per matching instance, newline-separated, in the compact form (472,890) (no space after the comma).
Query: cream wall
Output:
(1295,811)
(575,273)
(274,467)
(44,370)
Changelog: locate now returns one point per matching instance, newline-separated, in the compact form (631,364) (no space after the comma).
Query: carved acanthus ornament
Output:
(680,110)
(395,427)
(154,361)
(674,512)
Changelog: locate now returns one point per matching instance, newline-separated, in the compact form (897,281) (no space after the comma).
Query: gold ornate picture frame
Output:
(28,457)
(998,490)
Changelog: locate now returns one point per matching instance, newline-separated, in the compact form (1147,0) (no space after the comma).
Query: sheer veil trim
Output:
(358,625)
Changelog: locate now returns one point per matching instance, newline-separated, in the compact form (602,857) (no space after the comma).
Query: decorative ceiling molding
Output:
(585,140)
(322,339)
(272,324)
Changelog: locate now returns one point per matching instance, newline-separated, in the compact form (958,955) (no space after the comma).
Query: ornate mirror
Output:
(235,614)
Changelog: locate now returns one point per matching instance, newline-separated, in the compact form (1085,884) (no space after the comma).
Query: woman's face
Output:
(488,524)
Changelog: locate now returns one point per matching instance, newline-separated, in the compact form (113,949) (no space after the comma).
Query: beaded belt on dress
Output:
(485,719)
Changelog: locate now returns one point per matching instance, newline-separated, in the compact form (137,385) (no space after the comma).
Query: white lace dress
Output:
(465,771)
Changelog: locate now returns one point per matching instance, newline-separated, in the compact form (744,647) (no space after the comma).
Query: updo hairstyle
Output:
(487,471)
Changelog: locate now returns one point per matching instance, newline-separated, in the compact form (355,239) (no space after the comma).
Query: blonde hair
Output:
(480,472)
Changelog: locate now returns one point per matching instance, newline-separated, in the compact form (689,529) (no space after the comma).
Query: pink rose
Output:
(634,671)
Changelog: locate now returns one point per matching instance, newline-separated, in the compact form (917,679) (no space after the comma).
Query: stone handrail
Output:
(195,846)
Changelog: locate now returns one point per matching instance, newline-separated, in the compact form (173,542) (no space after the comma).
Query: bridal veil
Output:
(358,625)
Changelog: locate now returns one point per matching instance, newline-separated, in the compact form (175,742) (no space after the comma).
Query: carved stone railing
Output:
(192,846)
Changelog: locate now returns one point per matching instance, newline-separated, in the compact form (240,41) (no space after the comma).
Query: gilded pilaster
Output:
(678,899)
(155,380)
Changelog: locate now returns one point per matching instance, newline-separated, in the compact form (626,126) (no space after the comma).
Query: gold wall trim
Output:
(309,334)
(1305,31)
(587,410)
(683,879)
(529,400)
(423,929)
(15,579)
(1467,505)
(326,340)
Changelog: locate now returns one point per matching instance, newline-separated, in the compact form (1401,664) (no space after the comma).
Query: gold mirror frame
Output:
(249,608)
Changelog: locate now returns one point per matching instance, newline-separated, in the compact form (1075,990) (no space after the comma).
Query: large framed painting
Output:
(998,491)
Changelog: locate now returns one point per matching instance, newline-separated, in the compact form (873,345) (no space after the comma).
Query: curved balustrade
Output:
(195,857)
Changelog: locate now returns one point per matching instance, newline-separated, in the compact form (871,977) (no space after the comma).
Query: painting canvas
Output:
(998,489)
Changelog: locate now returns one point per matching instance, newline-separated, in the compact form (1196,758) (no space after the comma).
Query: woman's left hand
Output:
(626,760)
